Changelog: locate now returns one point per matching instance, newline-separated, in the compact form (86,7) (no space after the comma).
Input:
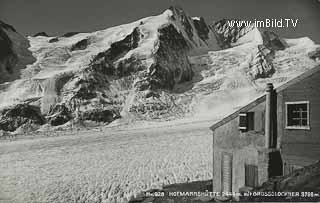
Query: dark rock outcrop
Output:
(14,55)
(90,87)
(105,60)
(59,115)
(55,39)
(172,65)
(12,118)
(81,45)
(315,55)
(43,34)
(8,58)
(202,28)
(5,44)
(69,34)
(182,17)
(272,41)
(261,66)
(100,115)
(227,34)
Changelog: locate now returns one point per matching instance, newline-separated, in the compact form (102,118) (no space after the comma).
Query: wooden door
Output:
(251,175)
(226,172)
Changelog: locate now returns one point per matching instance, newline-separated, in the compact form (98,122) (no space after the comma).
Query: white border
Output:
(307,127)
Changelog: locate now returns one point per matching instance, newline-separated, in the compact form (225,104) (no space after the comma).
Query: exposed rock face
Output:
(273,42)
(228,34)
(100,115)
(81,45)
(8,59)
(170,68)
(195,31)
(261,66)
(137,66)
(180,16)
(202,28)
(267,43)
(92,88)
(55,39)
(59,115)
(315,55)
(17,116)
(42,34)
(105,60)
(66,35)
(69,34)
(172,65)
(14,53)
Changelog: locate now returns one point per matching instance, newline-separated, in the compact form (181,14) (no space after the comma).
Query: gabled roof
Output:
(298,78)
(235,114)
(263,97)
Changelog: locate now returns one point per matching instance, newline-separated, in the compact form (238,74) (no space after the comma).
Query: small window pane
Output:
(305,115)
(297,114)
(304,122)
(243,121)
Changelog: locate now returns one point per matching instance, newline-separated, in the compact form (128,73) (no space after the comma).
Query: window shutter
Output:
(250,121)
(246,121)
(243,122)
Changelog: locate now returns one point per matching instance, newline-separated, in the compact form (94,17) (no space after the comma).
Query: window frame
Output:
(307,127)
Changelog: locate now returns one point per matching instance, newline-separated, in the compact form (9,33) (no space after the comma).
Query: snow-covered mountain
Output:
(163,67)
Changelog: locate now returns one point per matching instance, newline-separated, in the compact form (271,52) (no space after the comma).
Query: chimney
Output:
(269,116)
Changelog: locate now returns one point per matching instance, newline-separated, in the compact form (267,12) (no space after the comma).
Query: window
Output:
(251,175)
(297,115)
(246,121)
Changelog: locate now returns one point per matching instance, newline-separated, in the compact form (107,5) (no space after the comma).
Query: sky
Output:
(56,17)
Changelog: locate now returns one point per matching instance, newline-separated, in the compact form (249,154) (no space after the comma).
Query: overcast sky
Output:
(60,16)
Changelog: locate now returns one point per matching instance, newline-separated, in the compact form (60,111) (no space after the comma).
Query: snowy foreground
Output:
(104,165)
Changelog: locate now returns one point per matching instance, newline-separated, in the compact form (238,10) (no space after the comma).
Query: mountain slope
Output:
(164,67)
(94,76)
(14,53)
